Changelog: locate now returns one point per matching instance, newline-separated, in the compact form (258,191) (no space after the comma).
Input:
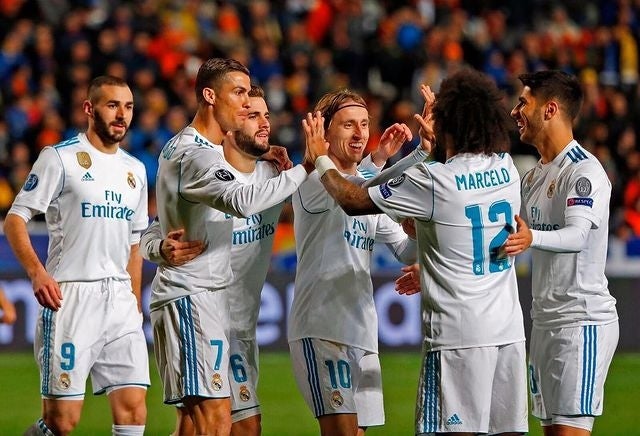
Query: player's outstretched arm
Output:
(45,288)
(171,250)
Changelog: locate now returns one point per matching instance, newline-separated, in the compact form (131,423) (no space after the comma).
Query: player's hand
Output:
(176,252)
(409,227)
(520,240)
(279,157)
(390,142)
(8,313)
(47,291)
(409,282)
(425,120)
(316,144)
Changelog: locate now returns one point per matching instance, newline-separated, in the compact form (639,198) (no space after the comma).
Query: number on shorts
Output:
(217,343)
(497,263)
(343,372)
(237,368)
(68,352)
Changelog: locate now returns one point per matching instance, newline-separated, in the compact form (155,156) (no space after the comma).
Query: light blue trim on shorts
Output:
(47,323)
(589,363)
(188,349)
(431,388)
(312,377)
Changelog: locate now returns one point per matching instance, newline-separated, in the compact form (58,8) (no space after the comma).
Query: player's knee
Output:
(61,424)
(247,427)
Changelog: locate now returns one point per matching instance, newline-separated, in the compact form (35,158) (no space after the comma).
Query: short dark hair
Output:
(256,91)
(469,108)
(329,103)
(212,72)
(93,92)
(555,84)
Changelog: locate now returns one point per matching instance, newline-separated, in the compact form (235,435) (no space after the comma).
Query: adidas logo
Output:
(87,177)
(454,420)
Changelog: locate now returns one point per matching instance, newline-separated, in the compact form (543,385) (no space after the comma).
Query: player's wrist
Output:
(323,164)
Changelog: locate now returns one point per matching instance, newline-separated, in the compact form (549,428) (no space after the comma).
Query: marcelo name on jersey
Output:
(254,230)
(111,209)
(483,179)
(355,239)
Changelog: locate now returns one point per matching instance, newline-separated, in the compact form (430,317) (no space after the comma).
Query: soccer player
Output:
(565,203)
(473,377)
(333,326)
(252,240)
(197,190)
(94,197)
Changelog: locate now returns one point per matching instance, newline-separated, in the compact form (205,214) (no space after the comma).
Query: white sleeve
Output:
(572,238)
(588,193)
(44,183)
(397,241)
(142,211)
(211,183)
(397,197)
(367,168)
(151,241)
(416,156)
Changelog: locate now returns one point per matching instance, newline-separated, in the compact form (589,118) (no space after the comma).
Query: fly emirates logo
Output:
(112,208)
(357,237)
(536,224)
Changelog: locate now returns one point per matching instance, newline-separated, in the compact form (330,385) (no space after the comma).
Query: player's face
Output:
(529,117)
(112,113)
(253,138)
(232,101)
(348,134)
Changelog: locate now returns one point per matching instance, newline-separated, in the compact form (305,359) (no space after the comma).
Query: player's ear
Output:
(87,107)
(551,110)
(209,96)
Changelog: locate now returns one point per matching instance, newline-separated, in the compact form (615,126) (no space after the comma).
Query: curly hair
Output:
(469,109)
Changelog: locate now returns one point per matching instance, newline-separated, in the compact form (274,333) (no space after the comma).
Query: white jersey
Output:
(569,289)
(197,190)
(463,212)
(93,203)
(333,297)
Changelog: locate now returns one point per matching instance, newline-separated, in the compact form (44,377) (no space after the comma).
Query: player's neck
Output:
(345,167)
(99,144)
(553,143)
(208,127)
(239,160)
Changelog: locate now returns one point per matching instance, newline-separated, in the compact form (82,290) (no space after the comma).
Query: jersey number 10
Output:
(497,261)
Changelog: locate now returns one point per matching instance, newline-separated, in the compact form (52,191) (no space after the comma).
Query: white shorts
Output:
(568,367)
(97,332)
(336,378)
(192,347)
(243,379)
(477,390)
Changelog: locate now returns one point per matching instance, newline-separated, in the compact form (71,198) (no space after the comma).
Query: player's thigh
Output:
(322,370)
(572,364)
(455,390)
(192,347)
(124,359)
(68,341)
(367,382)
(509,392)
(243,378)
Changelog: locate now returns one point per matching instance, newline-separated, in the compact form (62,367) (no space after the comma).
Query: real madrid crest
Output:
(336,399)
(64,381)
(245,395)
(216,381)
(131,180)
(83,159)
(551,189)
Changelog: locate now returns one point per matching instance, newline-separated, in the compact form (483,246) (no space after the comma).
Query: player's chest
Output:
(544,195)
(105,182)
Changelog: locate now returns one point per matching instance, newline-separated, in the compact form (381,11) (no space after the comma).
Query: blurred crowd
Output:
(300,49)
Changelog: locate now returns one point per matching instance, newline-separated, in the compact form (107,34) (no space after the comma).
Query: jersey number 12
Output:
(497,262)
